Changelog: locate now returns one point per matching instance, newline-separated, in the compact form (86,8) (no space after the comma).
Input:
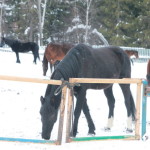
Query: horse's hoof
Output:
(129,130)
(92,133)
(107,129)
(73,134)
(145,137)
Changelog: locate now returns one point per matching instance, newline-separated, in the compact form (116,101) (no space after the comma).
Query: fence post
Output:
(138,102)
(69,113)
(144,109)
(61,118)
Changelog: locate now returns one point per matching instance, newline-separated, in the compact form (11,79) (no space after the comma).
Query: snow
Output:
(26,30)
(101,36)
(20,104)
(76,19)
(79,26)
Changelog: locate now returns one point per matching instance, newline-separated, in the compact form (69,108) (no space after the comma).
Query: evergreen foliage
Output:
(121,22)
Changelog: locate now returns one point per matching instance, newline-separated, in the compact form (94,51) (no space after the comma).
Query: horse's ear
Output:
(42,99)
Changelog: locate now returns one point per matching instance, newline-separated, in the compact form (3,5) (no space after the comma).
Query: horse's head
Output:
(8,41)
(54,52)
(48,117)
(132,53)
(136,54)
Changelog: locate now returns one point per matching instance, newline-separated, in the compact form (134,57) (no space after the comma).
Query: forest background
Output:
(120,22)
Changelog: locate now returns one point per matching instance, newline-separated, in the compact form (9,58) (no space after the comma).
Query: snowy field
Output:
(20,104)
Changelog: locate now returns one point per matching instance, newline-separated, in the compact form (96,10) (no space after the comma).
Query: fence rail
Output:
(33,80)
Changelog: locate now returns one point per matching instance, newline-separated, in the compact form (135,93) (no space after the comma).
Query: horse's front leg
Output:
(111,104)
(88,118)
(17,56)
(77,112)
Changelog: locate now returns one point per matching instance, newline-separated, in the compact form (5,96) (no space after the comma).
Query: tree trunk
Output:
(88,3)
(1,18)
(40,23)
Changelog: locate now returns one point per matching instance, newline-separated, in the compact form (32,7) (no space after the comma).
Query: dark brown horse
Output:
(83,61)
(20,47)
(132,53)
(54,52)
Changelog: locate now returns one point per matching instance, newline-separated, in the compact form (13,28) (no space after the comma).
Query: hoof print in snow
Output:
(129,130)
(107,129)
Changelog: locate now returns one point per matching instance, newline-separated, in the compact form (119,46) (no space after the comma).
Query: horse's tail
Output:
(45,65)
(51,67)
(126,73)
(125,62)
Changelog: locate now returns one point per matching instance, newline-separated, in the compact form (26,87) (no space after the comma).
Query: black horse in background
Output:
(85,62)
(19,47)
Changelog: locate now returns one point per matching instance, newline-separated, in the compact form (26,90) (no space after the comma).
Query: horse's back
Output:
(31,45)
(105,62)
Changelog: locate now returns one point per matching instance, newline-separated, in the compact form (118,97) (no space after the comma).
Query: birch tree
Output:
(41,16)
(1,14)
(88,4)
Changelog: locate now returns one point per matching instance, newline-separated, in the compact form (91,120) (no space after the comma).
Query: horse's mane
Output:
(10,42)
(69,67)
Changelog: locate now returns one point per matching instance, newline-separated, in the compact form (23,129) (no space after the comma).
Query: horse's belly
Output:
(99,86)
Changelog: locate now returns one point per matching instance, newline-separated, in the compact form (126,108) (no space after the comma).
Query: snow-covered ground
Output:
(20,104)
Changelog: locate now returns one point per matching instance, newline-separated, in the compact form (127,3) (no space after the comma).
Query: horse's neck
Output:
(10,42)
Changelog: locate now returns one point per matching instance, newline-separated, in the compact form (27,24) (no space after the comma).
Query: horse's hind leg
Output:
(88,118)
(35,57)
(130,106)
(111,104)
(17,56)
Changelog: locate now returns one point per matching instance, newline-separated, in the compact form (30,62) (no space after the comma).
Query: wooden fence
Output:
(69,107)
(63,99)
(122,81)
